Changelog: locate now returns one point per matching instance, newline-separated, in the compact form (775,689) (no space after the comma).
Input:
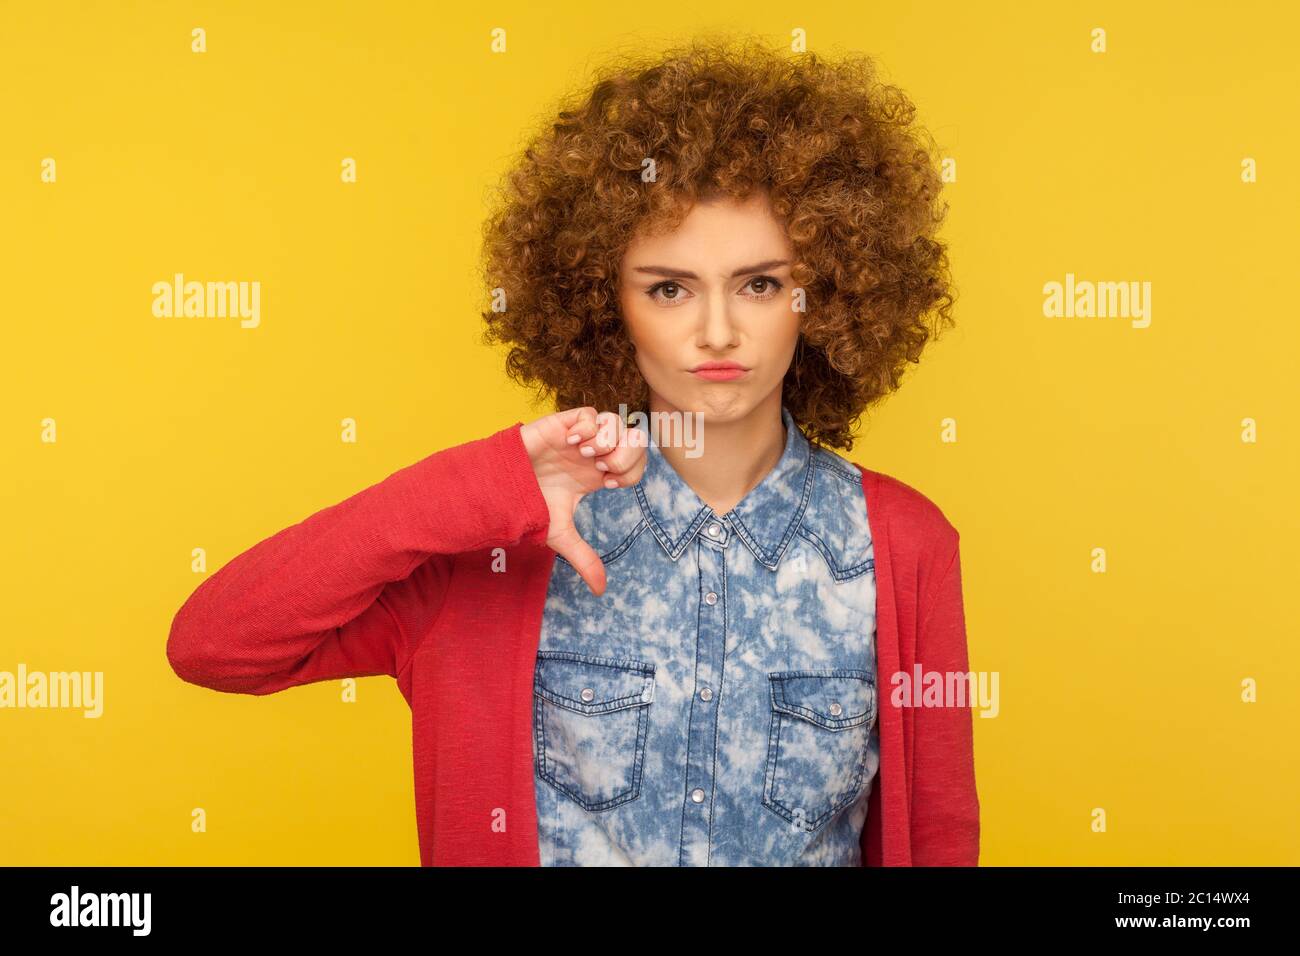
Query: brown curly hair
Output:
(850,177)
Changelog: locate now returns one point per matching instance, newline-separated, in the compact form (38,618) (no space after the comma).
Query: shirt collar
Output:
(766,519)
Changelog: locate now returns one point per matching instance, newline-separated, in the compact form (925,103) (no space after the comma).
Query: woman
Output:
(625,645)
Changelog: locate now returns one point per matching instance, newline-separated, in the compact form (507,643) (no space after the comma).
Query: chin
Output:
(721,402)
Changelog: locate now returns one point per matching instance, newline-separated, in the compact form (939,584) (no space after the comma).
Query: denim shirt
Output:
(717,706)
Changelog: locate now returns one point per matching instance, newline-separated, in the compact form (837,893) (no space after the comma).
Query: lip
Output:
(719,371)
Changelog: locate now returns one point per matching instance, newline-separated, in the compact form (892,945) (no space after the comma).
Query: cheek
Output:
(640,331)
(641,319)
(633,322)
(784,327)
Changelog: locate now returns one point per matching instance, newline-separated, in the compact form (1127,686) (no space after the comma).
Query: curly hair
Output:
(850,177)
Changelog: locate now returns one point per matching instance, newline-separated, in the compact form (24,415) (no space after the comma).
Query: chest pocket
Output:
(817,744)
(590,720)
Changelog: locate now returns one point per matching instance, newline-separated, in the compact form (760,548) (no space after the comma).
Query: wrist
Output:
(532,441)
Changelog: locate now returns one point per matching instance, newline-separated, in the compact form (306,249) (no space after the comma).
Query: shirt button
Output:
(706,694)
(697,795)
(714,531)
(836,709)
(711,598)
(588,695)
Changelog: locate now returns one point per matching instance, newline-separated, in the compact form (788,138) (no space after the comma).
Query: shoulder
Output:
(916,523)
(835,519)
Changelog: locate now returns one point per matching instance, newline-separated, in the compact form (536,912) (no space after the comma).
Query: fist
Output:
(574,453)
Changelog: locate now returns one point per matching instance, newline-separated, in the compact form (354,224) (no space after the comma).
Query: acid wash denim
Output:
(717,706)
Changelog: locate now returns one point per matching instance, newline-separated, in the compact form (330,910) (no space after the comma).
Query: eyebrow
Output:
(671,273)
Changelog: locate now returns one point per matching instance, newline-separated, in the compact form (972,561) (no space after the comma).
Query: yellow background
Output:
(1118,690)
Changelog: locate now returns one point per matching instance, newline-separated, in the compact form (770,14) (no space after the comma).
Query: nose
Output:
(717,330)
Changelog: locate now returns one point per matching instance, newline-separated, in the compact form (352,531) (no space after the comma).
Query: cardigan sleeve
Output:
(350,590)
(945,805)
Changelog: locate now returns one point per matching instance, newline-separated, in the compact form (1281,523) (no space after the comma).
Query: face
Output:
(708,307)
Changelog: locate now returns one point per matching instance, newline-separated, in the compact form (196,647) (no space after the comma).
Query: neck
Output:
(737,456)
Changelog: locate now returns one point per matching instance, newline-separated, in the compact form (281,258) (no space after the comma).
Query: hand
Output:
(574,453)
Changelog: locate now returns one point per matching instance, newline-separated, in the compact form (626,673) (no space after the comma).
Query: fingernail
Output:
(601,466)
(611,483)
(587,451)
(574,439)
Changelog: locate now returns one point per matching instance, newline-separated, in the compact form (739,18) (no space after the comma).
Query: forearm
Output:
(305,604)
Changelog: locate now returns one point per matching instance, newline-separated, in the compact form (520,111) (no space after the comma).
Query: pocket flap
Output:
(833,699)
(593,685)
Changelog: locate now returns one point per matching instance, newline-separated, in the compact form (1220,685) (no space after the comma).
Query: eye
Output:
(768,286)
(672,291)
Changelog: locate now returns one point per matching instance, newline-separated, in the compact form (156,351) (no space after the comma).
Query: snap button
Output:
(714,531)
(711,598)
(706,694)
(697,795)
(836,709)
(589,695)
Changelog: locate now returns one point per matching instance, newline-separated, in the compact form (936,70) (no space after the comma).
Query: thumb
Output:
(571,546)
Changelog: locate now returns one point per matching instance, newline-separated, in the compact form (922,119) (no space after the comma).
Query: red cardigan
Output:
(405,578)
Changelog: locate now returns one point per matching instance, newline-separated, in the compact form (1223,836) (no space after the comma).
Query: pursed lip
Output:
(710,365)
(719,371)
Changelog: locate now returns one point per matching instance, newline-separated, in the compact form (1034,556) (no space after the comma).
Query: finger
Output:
(619,460)
(571,546)
(610,431)
(631,449)
(628,477)
(568,417)
(582,424)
